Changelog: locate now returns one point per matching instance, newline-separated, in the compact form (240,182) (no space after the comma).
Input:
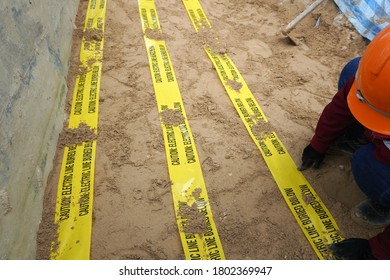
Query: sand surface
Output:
(133,215)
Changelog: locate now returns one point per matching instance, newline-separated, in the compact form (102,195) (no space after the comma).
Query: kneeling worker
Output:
(358,119)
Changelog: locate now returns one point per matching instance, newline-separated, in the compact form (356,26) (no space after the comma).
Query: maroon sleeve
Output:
(380,245)
(335,118)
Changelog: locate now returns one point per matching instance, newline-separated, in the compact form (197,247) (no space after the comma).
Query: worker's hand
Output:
(351,249)
(311,157)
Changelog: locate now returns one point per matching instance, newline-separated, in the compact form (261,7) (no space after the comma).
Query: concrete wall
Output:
(35,45)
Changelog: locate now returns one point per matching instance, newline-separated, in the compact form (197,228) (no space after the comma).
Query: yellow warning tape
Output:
(197,229)
(311,214)
(75,186)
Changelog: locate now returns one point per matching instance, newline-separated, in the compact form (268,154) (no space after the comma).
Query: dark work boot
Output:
(373,213)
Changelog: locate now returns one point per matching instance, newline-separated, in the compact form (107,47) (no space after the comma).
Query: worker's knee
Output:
(372,176)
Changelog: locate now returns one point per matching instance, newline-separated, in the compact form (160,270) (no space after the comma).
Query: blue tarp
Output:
(367,16)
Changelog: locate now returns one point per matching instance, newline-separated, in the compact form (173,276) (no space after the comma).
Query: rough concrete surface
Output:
(35,45)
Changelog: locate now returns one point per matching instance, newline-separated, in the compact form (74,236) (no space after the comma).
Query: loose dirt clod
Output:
(196,193)
(194,221)
(308,198)
(172,117)
(71,136)
(262,129)
(155,34)
(234,84)
(93,34)
(208,38)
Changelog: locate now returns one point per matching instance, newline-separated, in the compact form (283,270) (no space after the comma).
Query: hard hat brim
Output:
(366,115)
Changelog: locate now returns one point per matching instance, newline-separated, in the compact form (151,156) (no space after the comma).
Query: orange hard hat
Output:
(369,96)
